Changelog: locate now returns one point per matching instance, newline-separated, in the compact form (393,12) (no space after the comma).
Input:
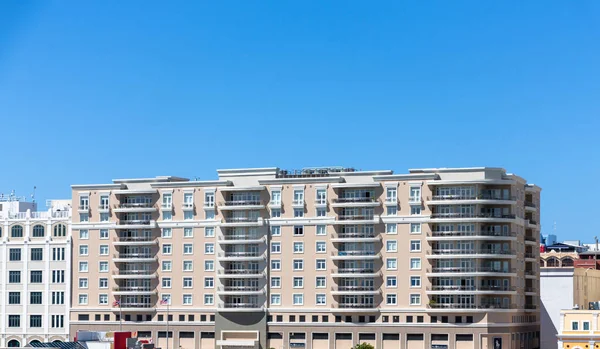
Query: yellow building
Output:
(579,329)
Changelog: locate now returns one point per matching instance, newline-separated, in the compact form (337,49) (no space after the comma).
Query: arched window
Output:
(38,231)
(14,343)
(34,342)
(567,262)
(552,262)
(542,263)
(60,230)
(16,232)
(57,341)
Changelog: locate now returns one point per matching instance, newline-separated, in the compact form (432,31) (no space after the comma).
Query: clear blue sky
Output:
(91,91)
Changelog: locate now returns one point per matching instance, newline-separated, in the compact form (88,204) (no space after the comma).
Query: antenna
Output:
(33,195)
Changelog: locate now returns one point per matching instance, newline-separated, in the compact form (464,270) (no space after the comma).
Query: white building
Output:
(35,254)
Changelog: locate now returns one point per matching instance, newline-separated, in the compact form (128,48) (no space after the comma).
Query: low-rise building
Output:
(579,329)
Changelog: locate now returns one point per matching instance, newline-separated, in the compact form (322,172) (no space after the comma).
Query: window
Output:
(276,282)
(35,277)
(15,254)
(166,266)
(103,299)
(391,264)
(58,253)
(209,232)
(187,282)
(298,247)
(58,321)
(391,228)
(415,299)
(58,297)
(298,299)
(60,230)
(415,228)
(275,231)
(298,282)
(35,298)
(37,254)
(167,215)
(103,234)
(275,247)
(188,215)
(14,277)
(391,246)
(392,210)
(104,204)
(298,212)
(188,249)
(189,232)
(167,200)
(84,202)
(14,321)
(575,326)
(16,231)
(321,212)
(209,299)
(84,234)
(210,214)
(209,199)
(275,299)
(298,230)
(188,266)
(415,263)
(391,194)
(84,217)
(103,283)
(298,264)
(321,300)
(415,281)
(83,267)
(321,230)
(415,194)
(275,213)
(321,197)
(58,276)
(104,250)
(166,298)
(83,250)
(167,233)
(586,326)
(14,298)
(415,245)
(38,231)
(103,267)
(298,197)
(321,247)
(209,265)
(209,248)
(187,299)
(83,299)
(83,282)
(391,282)
(276,197)
(390,299)
(209,282)
(103,217)
(415,210)
(166,282)
(321,264)
(320,282)
(275,264)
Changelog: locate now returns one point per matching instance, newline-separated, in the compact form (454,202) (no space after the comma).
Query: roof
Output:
(61,345)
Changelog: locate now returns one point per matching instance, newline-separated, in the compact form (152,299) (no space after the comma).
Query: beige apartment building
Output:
(316,258)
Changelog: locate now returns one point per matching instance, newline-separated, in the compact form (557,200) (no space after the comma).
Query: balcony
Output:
(241,221)
(531,307)
(355,307)
(135,224)
(134,290)
(239,239)
(458,289)
(134,274)
(83,208)
(298,203)
(103,208)
(355,255)
(137,307)
(531,222)
(240,290)
(240,256)
(355,273)
(355,237)
(354,290)
(135,207)
(531,274)
(166,206)
(187,206)
(471,217)
(134,257)
(530,255)
(530,290)
(530,239)
(228,306)
(357,219)
(240,273)
(241,205)
(355,202)
(135,240)
(471,235)
(461,253)
(530,206)
(462,306)
(415,200)
(470,271)
(471,199)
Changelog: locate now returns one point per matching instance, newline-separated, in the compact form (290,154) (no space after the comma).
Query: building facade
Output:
(35,272)
(579,329)
(318,258)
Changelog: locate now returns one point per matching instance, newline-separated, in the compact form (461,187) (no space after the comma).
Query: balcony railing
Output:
(531,272)
(433,305)
(187,205)
(415,199)
(470,288)
(355,217)
(470,197)
(239,272)
(530,238)
(242,305)
(355,305)
(104,207)
(354,200)
(240,219)
(530,289)
(134,238)
(470,270)
(471,251)
(529,204)
(83,207)
(471,215)
(240,254)
(134,255)
(355,271)
(239,288)
(133,288)
(321,202)
(472,233)
(133,272)
(231,237)
(166,206)
(534,222)
(357,235)
(354,253)
(354,288)
(134,221)
(134,205)
(136,305)
(242,203)
(531,306)
(529,255)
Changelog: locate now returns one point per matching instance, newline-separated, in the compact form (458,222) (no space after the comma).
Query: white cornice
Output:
(215,183)
(406,177)
(301,180)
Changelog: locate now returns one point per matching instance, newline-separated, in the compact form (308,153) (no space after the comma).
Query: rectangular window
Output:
(14,277)
(103,267)
(391,228)
(276,197)
(35,298)
(167,215)
(415,263)
(103,299)
(14,321)
(209,232)
(83,282)
(167,233)
(37,254)
(209,248)
(575,326)
(188,266)
(15,254)
(35,277)
(298,197)
(209,265)
(298,212)
(391,299)
(209,299)
(298,282)
(391,194)
(84,217)
(275,213)
(320,300)
(415,281)
(103,234)
(275,299)
(321,230)
(321,197)
(14,298)
(83,267)
(167,201)
(167,266)
(58,297)
(187,282)
(166,282)
(298,247)
(275,264)
(276,282)
(415,210)
(187,299)
(298,264)
(104,250)
(391,264)
(321,264)
(188,215)
(415,299)
(188,249)
(84,234)
(209,199)
(83,250)
(58,253)
(58,321)
(83,299)
(415,194)
(104,203)
(104,217)
(209,282)
(321,212)
(391,281)
(298,299)
(210,214)
(321,247)
(586,326)
(415,245)
(102,283)
(58,276)
(392,210)
(320,282)
(415,228)
(275,247)
(391,246)
(188,232)
(298,230)
(275,231)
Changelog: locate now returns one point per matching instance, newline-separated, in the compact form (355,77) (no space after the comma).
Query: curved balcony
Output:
(242,221)
(530,291)
(83,208)
(355,237)
(135,241)
(482,199)
(446,290)
(134,274)
(355,273)
(241,239)
(240,290)
(471,217)
(354,290)
(135,207)
(530,206)
(231,205)
(355,202)
(235,307)
(357,219)
(461,307)
(134,290)
(474,253)
(135,307)
(135,224)
(355,255)
(530,257)
(470,271)
(240,274)
(471,235)
(134,257)
(531,274)
(240,256)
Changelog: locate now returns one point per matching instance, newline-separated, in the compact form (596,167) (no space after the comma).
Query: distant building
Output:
(578,329)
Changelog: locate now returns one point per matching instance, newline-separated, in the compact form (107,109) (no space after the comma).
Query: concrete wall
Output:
(242,321)
(586,286)
(556,292)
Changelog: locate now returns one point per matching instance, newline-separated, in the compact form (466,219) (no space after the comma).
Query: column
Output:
(46,295)
(594,323)
(559,344)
